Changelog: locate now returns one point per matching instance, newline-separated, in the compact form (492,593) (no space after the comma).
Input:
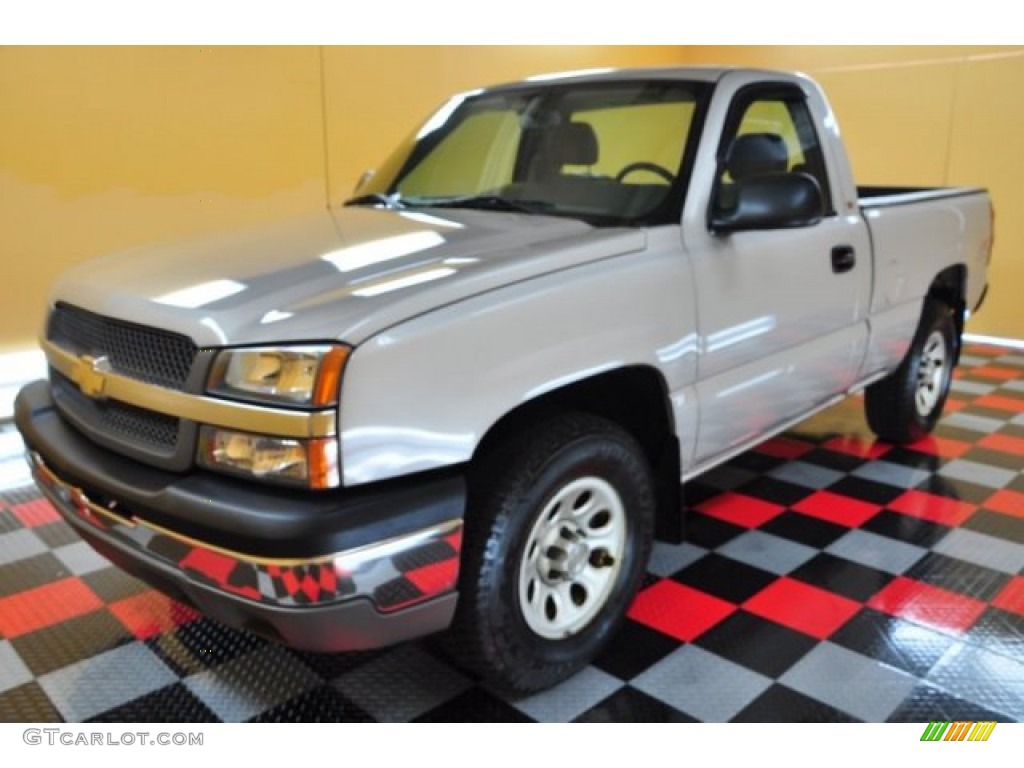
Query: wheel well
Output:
(950,287)
(635,398)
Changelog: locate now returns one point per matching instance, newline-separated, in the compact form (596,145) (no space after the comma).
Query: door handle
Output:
(844,258)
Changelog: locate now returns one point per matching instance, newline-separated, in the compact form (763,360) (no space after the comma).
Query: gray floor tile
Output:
(1018,420)
(422,681)
(848,681)
(726,477)
(103,682)
(80,558)
(876,551)
(969,361)
(1011,359)
(14,473)
(807,475)
(701,684)
(991,679)
(252,683)
(892,474)
(11,446)
(981,549)
(19,545)
(1015,385)
(971,387)
(13,671)
(666,559)
(768,552)
(979,474)
(963,420)
(570,699)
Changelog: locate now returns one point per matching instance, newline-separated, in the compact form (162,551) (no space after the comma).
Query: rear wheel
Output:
(906,405)
(557,537)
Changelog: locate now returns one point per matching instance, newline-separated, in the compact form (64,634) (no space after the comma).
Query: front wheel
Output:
(906,405)
(557,537)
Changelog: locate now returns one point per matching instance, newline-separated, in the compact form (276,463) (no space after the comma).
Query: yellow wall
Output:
(927,115)
(104,147)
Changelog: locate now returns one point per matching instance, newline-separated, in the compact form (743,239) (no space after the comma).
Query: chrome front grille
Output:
(147,354)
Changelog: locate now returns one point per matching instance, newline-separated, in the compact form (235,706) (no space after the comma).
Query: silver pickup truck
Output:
(467,399)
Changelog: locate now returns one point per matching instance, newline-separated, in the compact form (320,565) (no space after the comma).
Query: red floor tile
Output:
(151,613)
(1003,443)
(995,372)
(740,510)
(45,606)
(924,604)
(37,512)
(679,611)
(928,506)
(953,405)
(855,445)
(1016,405)
(802,607)
(1011,598)
(1007,501)
(941,446)
(834,508)
(784,448)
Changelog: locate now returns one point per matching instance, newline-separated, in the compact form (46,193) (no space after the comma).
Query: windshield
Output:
(608,153)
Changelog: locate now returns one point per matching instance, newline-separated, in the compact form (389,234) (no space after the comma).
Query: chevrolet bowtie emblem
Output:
(90,374)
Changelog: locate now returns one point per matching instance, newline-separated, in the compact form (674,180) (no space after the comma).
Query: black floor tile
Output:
(79,638)
(173,704)
(893,641)
(953,488)
(475,705)
(780,704)
(775,491)
(27,703)
(1000,631)
(927,703)
(32,572)
(866,490)
(842,462)
(202,644)
(628,705)
(997,524)
(633,649)
(994,458)
(323,704)
(757,643)
(804,529)
(842,577)
(709,532)
(958,576)
(752,461)
(113,584)
(56,534)
(725,578)
(912,530)
(915,459)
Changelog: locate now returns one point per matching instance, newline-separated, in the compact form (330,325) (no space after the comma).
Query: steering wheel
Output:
(654,168)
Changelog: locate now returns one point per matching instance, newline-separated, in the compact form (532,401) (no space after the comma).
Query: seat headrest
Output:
(754,154)
(573,144)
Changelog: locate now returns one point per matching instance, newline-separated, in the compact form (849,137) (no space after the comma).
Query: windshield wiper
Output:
(485,203)
(376,198)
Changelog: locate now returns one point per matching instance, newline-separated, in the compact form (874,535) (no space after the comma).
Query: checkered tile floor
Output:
(825,577)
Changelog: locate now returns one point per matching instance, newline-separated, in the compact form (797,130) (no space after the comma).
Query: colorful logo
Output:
(960,730)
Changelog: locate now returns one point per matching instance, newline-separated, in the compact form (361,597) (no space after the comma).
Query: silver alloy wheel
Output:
(572,558)
(932,374)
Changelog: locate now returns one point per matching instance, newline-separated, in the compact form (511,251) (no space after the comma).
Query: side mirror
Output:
(366,176)
(770,201)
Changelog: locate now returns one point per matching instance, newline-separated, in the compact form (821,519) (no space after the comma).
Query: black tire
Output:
(905,406)
(511,489)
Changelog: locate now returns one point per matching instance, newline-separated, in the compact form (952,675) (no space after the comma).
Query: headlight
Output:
(307,375)
(309,463)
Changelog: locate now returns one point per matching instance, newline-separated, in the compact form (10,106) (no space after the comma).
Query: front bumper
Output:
(361,568)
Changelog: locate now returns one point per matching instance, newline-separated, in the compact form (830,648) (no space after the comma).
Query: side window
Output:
(774,133)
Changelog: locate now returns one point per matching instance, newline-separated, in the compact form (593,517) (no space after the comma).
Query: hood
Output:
(345,274)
